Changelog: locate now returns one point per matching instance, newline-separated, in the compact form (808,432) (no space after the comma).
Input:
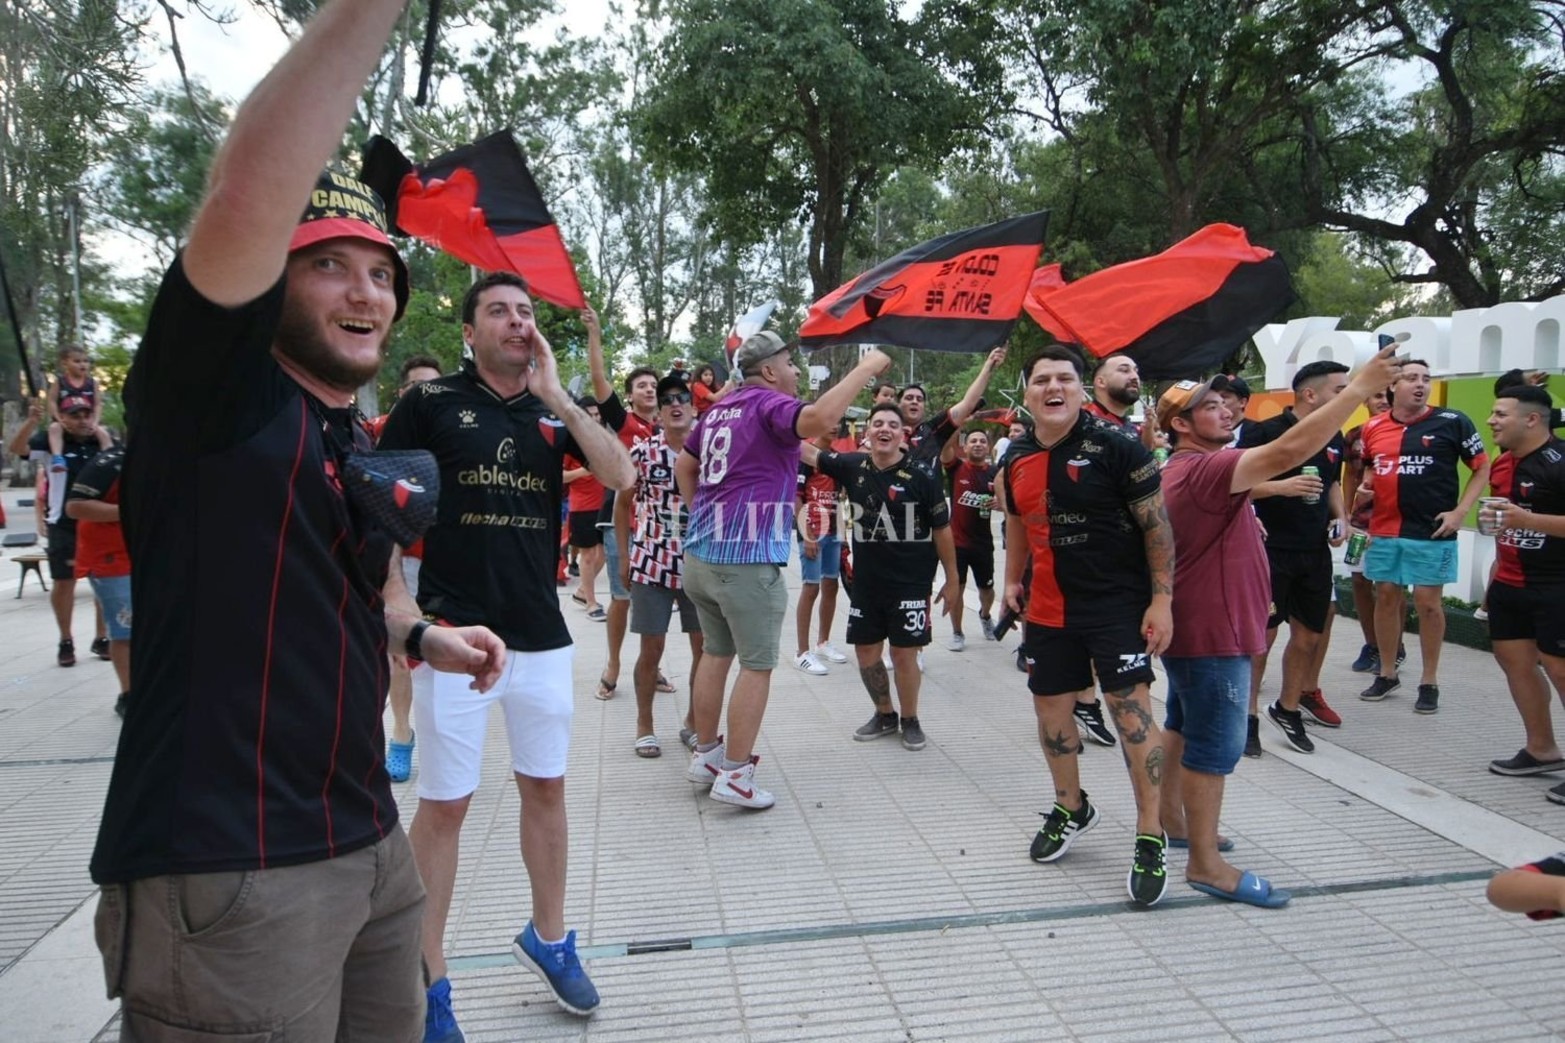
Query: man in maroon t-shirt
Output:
(1221,587)
(972,496)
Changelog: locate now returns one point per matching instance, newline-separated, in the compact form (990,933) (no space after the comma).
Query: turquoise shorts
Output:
(1410,563)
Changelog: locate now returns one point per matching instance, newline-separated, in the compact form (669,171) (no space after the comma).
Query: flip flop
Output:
(664,685)
(606,688)
(647,746)
(579,600)
(687,736)
(1252,890)
(1183,843)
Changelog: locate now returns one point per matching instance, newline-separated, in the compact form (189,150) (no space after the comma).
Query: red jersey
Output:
(1536,482)
(100,546)
(1415,469)
(818,496)
(702,396)
(586,492)
(972,496)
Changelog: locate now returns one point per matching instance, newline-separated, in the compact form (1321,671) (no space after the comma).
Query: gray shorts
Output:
(652,609)
(196,956)
(741,609)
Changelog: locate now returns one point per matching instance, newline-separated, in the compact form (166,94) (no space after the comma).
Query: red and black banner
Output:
(480,204)
(960,292)
(1179,313)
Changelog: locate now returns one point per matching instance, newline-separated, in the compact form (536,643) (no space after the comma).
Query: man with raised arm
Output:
(1221,600)
(738,474)
(256,883)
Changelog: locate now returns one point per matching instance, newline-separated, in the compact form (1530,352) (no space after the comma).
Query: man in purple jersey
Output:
(738,474)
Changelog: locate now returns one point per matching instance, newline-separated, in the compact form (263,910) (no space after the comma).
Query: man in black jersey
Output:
(926,436)
(500,428)
(1528,585)
(255,881)
(901,526)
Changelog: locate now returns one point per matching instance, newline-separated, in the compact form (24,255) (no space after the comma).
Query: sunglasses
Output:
(674,398)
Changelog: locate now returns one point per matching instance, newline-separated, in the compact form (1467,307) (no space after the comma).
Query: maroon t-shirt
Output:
(972,497)
(1222,586)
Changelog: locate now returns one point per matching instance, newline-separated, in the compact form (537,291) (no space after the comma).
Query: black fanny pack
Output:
(395,489)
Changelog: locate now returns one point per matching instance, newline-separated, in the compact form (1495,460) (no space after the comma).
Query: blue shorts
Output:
(113,594)
(825,565)
(1410,563)
(617,590)
(1208,705)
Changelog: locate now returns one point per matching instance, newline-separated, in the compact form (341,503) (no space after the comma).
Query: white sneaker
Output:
(810,665)
(958,643)
(703,768)
(920,660)
(737,786)
(988,625)
(827,650)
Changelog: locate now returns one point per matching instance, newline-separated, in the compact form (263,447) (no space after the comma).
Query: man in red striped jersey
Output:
(1084,502)
(1413,449)
(1528,587)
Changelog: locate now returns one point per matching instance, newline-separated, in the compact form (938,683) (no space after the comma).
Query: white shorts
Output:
(451,719)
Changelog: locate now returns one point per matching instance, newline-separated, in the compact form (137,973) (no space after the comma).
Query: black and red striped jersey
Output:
(1415,469)
(1536,482)
(254,739)
(1089,560)
(1121,423)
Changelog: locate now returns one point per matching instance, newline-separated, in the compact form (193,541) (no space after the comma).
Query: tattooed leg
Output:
(878,683)
(1142,743)
(1058,736)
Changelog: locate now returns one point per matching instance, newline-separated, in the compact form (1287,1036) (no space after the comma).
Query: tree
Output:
(798,110)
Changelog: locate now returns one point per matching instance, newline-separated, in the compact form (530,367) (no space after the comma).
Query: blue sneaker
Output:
(1368,661)
(439,1023)
(558,966)
(399,759)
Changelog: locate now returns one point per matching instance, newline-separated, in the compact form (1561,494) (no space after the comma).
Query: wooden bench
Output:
(31,563)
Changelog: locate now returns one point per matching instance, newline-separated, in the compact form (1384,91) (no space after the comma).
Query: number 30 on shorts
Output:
(917,613)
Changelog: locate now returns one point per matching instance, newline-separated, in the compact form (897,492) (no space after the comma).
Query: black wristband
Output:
(415,643)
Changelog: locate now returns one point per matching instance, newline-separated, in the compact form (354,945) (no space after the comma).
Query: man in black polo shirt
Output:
(500,429)
(255,881)
(1303,516)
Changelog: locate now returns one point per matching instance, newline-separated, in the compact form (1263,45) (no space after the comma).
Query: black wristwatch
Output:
(414,645)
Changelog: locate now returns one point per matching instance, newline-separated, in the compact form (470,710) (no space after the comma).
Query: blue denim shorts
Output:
(113,594)
(825,565)
(1208,703)
(617,590)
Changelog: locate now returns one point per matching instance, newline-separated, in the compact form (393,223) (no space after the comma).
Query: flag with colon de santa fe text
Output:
(962,292)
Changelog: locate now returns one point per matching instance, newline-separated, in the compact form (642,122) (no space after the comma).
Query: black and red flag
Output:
(960,292)
(1179,313)
(480,204)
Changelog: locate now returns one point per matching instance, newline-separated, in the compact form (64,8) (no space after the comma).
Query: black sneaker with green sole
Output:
(1061,828)
(1148,877)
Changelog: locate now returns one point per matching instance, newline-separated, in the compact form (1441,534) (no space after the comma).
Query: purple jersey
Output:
(749,453)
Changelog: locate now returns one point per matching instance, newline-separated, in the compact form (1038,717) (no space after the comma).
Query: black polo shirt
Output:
(492,554)
(259,654)
(1290,523)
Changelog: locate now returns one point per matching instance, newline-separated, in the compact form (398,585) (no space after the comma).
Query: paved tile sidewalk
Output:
(888,895)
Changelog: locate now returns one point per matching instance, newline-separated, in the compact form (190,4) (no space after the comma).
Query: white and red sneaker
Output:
(705,767)
(737,786)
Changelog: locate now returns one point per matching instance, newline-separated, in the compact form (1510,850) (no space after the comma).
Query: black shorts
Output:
(900,617)
(1061,660)
(584,530)
(981,561)
(1301,587)
(62,552)
(1528,614)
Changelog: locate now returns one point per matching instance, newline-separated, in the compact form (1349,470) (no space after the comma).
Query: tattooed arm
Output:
(1158,622)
